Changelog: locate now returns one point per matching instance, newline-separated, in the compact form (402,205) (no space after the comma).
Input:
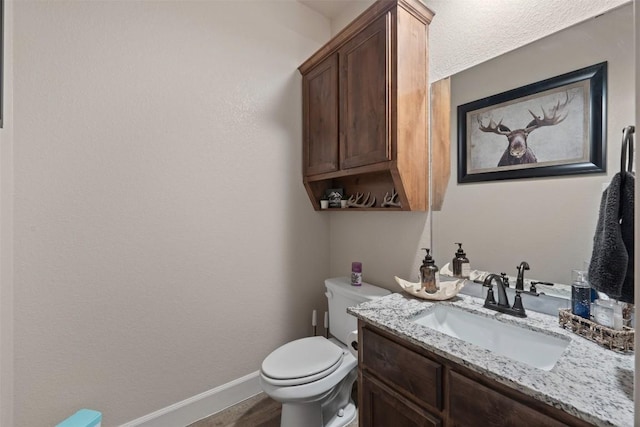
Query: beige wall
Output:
(348,14)
(6,225)
(163,241)
(164,244)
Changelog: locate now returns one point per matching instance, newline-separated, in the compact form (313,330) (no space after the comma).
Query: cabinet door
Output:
(364,94)
(472,404)
(389,360)
(382,407)
(320,111)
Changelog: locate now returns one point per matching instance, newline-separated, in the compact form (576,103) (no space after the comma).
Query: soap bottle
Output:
(580,294)
(461,266)
(429,274)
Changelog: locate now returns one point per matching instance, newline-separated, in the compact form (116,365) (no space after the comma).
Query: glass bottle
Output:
(429,274)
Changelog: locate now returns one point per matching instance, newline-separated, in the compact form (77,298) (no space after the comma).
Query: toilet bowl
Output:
(313,377)
(321,398)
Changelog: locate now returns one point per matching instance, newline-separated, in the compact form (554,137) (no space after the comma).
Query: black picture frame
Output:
(574,144)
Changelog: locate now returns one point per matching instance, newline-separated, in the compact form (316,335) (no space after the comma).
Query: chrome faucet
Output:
(520,280)
(502,305)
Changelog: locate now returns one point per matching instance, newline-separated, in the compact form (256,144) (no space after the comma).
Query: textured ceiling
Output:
(464,33)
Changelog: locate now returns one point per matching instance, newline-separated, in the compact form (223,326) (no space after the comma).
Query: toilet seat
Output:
(302,361)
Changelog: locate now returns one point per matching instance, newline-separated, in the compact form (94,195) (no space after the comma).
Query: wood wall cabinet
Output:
(366,109)
(401,384)
(320,94)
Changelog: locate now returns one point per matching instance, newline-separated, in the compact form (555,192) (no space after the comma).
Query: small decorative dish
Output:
(448,289)
(475,275)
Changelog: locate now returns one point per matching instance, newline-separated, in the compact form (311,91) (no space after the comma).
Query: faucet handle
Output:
(542,283)
(533,290)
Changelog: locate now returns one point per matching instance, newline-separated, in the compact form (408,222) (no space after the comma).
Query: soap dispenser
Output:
(580,294)
(429,275)
(461,266)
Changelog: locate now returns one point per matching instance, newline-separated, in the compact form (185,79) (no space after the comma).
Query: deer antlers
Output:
(499,128)
(556,116)
(391,200)
(354,201)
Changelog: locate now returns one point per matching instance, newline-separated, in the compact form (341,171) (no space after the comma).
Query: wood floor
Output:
(257,411)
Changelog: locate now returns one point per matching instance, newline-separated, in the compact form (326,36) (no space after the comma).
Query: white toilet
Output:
(312,377)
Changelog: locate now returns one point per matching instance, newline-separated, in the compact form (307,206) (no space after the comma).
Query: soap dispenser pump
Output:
(461,266)
(429,275)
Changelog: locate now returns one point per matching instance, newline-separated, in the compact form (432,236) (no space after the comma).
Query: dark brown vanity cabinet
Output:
(400,384)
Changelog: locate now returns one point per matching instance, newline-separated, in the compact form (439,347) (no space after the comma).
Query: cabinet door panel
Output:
(364,92)
(320,101)
(407,370)
(472,404)
(382,407)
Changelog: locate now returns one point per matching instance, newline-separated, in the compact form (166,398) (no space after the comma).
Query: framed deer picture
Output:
(553,127)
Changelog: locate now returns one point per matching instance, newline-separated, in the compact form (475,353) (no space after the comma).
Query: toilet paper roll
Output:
(352,342)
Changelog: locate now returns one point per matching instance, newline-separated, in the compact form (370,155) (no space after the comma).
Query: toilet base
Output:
(301,414)
(296,415)
(349,414)
(333,409)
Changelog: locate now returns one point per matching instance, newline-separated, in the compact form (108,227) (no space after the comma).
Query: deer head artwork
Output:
(518,151)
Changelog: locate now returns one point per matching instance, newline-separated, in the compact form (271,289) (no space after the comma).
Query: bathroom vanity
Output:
(411,374)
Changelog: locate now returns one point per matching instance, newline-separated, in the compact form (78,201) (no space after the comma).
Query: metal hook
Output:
(627,146)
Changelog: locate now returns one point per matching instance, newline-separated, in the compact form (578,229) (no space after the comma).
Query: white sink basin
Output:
(536,349)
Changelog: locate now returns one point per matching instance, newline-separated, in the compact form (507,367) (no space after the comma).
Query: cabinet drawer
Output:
(411,373)
(472,404)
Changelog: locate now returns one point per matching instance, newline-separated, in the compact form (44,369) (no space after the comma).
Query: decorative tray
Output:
(617,340)
(448,289)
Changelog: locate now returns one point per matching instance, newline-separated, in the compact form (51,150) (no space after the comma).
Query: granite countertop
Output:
(588,381)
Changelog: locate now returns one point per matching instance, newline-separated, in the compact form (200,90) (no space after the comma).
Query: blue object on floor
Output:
(83,418)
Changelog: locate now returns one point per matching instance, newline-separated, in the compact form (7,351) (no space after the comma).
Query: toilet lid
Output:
(302,358)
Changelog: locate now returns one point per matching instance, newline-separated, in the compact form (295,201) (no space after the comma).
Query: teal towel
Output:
(83,418)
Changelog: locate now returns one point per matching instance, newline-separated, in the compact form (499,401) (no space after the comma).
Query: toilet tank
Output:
(340,295)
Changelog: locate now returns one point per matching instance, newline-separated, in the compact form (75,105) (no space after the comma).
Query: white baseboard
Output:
(202,405)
